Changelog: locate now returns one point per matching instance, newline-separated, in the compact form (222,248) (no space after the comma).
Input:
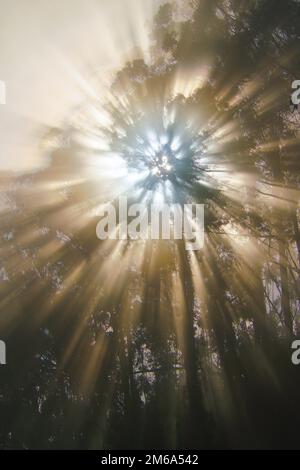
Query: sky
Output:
(49,52)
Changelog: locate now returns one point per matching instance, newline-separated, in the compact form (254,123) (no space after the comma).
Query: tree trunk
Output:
(285,295)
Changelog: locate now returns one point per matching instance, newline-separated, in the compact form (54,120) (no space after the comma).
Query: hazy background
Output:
(49,50)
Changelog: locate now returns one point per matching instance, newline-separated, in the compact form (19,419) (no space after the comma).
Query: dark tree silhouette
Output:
(143,344)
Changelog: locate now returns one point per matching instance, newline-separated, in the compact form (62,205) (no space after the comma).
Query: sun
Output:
(161,167)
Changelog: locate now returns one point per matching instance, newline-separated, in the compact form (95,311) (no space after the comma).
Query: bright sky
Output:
(49,49)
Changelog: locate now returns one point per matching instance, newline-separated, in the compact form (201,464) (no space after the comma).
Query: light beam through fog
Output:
(141,342)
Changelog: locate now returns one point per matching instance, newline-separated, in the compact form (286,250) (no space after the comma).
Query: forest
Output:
(142,344)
